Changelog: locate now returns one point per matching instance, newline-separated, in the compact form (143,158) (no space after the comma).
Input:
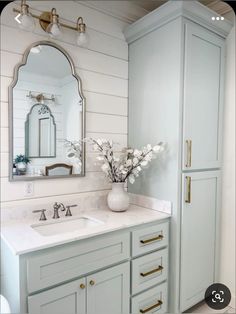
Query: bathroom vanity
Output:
(100,262)
(117,266)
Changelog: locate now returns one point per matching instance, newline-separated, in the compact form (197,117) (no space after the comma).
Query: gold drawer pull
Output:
(189,154)
(159,303)
(152,271)
(160,237)
(188,198)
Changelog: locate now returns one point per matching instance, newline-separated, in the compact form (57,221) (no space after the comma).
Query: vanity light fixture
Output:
(82,39)
(49,21)
(24,18)
(54,29)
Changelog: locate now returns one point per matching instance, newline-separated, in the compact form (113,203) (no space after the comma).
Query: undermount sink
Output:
(66,225)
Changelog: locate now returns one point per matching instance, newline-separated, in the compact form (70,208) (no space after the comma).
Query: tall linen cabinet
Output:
(176,83)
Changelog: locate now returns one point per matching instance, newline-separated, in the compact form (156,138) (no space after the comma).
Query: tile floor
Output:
(204,308)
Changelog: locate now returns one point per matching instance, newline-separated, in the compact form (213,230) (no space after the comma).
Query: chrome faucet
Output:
(56,208)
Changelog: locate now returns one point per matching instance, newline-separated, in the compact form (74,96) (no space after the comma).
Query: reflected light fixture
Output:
(24,18)
(36,49)
(49,21)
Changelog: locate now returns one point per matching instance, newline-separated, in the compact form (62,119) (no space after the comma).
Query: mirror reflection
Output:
(47,116)
(40,132)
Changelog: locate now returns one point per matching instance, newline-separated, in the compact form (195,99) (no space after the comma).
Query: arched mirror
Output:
(47,113)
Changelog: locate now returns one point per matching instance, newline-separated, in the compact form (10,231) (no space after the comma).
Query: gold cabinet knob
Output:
(92,283)
(82,286)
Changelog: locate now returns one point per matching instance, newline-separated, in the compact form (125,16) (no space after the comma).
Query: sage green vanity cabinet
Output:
(153,300)
(102,274)
(176,84)
(202,98)
(68,298)
(55,266)
(149,270)
(198,235)
(106,291)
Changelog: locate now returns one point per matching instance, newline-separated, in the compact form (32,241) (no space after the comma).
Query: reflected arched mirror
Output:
(40,132)
(46,115)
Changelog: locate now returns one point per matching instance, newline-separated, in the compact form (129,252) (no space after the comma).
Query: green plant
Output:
(22,158)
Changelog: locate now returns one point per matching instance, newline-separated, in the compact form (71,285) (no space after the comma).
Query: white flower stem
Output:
(138,164)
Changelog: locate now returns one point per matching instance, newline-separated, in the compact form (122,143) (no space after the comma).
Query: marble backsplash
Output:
(85,202)
(151,203)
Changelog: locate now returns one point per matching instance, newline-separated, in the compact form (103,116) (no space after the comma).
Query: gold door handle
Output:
(82,286)
(159,303)
(189,153)
(160,237)
(188,198)
(92,283)
(160,268)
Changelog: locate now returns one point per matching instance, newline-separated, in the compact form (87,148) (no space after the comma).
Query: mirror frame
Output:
(10,112)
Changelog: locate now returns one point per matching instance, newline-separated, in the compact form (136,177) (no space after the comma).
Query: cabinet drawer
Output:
(149,239)
(152,301)
(65,263)
(149,270)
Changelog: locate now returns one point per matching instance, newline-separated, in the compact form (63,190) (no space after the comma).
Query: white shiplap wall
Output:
(103,68)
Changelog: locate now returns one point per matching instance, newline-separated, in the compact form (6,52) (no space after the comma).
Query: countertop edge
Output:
(17,252)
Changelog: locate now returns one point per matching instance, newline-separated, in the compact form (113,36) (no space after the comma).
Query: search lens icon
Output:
(217,296)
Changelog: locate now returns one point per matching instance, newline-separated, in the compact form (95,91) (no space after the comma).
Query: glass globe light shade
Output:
(54,29)
(25,21)
(24,18)
(82,39)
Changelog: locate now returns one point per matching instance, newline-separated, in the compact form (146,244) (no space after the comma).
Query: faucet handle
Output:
(42,211)
(68,211)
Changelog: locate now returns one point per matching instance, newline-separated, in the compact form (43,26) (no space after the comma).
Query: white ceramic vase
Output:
(21,167)
(118,198)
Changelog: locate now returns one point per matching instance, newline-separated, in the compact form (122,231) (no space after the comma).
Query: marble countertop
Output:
(22,238)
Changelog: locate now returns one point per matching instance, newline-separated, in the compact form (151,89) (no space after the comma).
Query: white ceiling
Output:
(216,5)
(132,10)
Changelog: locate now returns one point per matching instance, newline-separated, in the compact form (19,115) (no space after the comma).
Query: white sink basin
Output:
(65,225)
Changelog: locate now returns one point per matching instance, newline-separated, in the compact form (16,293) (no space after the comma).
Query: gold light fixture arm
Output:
(45,20)
(81,26)
(24,8)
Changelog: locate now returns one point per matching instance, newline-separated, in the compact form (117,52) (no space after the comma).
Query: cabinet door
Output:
(203,98)
(108,291)
(66,299)
(198,235)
